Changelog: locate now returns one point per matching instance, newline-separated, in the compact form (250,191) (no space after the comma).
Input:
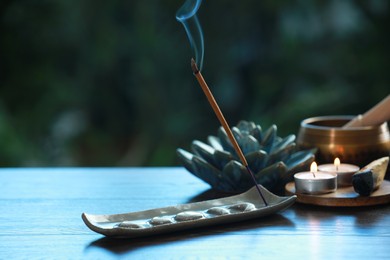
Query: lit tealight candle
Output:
(344,171)
(315,182)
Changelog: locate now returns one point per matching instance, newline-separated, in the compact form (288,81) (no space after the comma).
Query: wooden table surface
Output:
(40,217)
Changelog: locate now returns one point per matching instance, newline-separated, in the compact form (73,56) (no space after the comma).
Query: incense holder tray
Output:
(157,221)
(272,159)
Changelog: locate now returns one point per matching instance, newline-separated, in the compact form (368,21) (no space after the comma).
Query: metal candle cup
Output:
(344,172)
(322,183)
(314,182)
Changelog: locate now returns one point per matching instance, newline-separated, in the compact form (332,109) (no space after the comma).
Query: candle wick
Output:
(337,168)
(313,174)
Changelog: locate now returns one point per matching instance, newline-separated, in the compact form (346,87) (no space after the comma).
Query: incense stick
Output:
(223,122)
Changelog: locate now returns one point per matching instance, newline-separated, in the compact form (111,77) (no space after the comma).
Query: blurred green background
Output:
(109,83)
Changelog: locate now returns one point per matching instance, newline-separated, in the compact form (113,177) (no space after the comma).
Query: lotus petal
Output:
(206,171)
(204,151)
(257,160)
(233,173)
(237,134)
(222,158)
(270,176)
(282,154)
(298,157)
(247,143)
(257,133)
(283,143)
(186,159)
(246,127)
(225,142)
(277,140)
(268,138)
(215,142)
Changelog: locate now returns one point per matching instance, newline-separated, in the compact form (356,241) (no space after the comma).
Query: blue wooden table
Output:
(40,217)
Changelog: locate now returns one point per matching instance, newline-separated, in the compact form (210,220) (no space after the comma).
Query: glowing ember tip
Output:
(194,66)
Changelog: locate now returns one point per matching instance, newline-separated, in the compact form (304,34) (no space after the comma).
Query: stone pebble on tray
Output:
(188,215)
(243,207)
(160,221)
(129,224)
(218,211)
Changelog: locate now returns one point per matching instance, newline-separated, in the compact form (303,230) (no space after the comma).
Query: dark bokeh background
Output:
(106,83)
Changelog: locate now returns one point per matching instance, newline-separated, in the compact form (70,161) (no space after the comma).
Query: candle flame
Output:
(337,163)
(313,168)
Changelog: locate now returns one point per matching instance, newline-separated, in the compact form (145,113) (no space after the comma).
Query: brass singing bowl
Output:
(358,145)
